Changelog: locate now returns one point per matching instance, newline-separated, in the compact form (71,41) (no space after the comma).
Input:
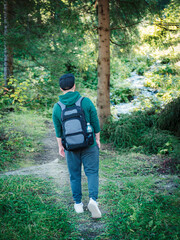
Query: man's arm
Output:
(61,148)
(98,139)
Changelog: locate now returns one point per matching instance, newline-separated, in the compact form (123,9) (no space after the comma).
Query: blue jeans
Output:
(89,157)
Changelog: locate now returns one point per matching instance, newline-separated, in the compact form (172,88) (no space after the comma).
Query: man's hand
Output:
(61,148)
(98,139)
(98,143)
(61,151)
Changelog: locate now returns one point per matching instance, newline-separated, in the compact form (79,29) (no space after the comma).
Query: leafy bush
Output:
(32,92)
(120,70)
(156,141)
(168,86)
(165,60)
(141,63)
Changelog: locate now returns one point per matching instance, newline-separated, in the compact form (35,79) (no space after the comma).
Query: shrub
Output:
(139,131)
(156,141)
(32,93)
(128,129)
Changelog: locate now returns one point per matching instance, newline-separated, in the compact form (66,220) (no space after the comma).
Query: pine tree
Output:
(103,100)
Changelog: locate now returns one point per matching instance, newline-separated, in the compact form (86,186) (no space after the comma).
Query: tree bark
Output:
(8,56)
(103,99)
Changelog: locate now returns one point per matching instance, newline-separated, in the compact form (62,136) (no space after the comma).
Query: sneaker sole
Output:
(94,211)
(79,212)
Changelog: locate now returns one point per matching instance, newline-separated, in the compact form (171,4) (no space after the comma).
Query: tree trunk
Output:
(103,99)
(8,56)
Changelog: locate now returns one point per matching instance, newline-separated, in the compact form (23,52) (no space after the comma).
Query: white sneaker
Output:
(94,209)
(79,207)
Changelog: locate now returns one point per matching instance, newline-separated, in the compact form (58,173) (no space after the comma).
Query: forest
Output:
(125,56)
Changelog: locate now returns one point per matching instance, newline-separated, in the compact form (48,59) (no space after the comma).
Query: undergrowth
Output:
(141,132)
(29,210)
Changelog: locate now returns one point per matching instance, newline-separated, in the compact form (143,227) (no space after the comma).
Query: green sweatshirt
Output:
(69,99)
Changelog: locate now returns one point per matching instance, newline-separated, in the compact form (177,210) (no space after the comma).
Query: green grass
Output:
(20,135)
(30,209)
(138,193)
(129,165)
(140,202)
(138,212)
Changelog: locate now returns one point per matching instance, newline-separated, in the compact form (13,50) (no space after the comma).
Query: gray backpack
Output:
(74,127)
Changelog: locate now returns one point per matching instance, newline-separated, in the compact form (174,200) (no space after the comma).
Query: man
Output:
(88,156)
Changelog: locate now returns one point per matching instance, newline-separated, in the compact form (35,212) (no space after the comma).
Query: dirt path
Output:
(48,164)
(51,166)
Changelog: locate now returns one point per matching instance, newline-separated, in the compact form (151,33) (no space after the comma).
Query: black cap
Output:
(67,81)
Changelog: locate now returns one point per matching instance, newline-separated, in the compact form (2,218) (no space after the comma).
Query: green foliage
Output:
(122,94)
(139,132)
(29,210)
(168,69)
(158,142)
(20,137)
(138,212)
(141,68)
(165,27)
(168,85)
(34,90)
(120,70)
(169,117)
(127,131)
(141,63)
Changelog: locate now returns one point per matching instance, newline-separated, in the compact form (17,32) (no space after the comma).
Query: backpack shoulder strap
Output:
(78,103)
(63,106)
